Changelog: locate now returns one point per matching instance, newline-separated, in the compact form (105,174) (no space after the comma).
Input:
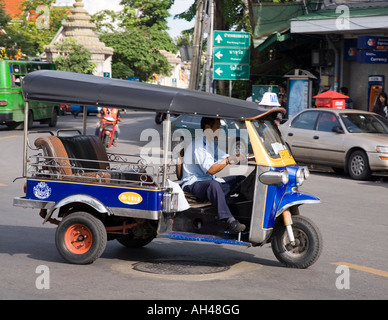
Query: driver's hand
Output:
(236,159)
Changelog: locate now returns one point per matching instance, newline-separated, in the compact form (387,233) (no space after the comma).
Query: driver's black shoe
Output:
(236,227)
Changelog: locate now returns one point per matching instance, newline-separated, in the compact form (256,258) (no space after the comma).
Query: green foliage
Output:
(73,57)
(142,25)
(33,28)
(147,13)
(136,53)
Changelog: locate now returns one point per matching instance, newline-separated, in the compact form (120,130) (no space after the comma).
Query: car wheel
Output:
(358,165)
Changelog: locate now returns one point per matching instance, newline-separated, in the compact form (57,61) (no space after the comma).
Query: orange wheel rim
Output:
(78,239)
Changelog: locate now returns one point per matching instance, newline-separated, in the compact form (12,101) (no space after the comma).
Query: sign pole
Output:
(195,62)
(209,60)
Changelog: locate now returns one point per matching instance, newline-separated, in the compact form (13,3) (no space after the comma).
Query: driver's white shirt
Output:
(199,156)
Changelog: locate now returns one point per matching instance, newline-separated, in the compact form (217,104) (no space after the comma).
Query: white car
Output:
(349,140)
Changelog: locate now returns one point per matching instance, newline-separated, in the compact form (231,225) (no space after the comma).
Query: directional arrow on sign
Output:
(218,39)
(219,55)
(218,71)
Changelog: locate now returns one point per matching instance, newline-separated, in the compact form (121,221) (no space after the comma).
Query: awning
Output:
(275,37)
(335,21)
(272,21)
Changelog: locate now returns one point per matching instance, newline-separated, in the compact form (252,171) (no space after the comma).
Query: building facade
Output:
(348,40)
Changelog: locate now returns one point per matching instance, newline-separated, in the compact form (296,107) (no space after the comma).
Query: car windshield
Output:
(364,123)
(270,136)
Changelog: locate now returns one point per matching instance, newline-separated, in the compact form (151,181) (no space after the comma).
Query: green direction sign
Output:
(228,71)
(231,39)
(231,55)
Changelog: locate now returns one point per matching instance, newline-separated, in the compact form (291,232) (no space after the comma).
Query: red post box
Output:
(330,99)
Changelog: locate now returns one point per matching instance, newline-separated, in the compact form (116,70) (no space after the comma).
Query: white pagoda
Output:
(79,28)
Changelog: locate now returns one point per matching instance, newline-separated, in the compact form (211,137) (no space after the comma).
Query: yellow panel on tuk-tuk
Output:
(261,155)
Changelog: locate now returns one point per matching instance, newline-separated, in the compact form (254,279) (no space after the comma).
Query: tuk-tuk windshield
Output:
(270,136)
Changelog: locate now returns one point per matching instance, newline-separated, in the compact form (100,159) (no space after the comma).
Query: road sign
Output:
(231,55)
(232,39)
(229,71)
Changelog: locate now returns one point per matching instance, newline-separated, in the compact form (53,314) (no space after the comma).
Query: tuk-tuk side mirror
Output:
(223,123)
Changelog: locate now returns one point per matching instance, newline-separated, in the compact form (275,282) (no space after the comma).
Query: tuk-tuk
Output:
(94,196)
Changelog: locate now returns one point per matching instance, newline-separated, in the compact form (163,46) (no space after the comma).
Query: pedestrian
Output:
(348,101)
(201,162)
(381,105)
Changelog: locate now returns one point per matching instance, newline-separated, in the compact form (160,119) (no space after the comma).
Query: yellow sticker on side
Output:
(130,198)
(285,155)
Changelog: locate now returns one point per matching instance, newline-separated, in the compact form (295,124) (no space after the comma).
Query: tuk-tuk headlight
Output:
(301,174)
(274,177)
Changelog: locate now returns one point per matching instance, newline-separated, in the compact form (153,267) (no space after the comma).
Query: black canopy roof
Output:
(81,89)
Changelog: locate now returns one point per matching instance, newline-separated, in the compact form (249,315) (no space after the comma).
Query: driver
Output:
(201,162)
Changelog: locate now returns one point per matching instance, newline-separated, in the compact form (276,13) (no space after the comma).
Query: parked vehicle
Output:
(94,196)
(351,141)
(12,103)
(235,140)
(76,109)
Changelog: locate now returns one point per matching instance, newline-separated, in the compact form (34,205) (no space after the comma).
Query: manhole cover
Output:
(180,267)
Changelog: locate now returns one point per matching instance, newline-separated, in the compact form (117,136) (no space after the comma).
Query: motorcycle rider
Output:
(111,113)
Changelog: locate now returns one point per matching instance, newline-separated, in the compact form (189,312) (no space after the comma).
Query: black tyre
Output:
(81,238)
(106,140)
(139,236)
(308,243)
(358,165)
(131,242)
(54,119)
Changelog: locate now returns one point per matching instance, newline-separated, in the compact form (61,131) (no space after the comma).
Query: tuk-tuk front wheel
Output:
(307,247)
(81,238)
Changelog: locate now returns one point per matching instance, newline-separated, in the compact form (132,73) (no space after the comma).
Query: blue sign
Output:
(372,56)
(372,43)
(350,50)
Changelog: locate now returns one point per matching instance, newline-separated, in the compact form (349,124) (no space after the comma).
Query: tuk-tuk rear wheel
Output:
(80,238)
(307,247)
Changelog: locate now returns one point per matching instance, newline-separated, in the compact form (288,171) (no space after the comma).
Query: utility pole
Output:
(209,60)
(197,46)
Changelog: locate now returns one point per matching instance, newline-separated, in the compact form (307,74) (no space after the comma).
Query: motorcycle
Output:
(107,130)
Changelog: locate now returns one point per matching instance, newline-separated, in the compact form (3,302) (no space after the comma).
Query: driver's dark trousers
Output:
(216,193)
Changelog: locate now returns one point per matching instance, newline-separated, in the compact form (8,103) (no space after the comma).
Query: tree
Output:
(35,27)
(147,13)
(139,35)
(136,55)
(73,57)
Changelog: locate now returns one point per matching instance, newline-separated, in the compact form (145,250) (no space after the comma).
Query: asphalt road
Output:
(352,218)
